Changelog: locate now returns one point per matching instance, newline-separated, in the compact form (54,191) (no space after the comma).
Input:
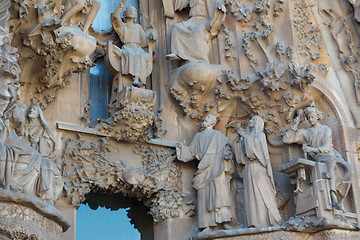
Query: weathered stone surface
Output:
(182,61)
(23,216)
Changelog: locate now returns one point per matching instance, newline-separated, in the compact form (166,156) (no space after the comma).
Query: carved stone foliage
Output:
(8,56)
(309,36)
(269,82)
(349,52)
(86,117)
(256,17)
(46,42)
(86,168)
(275,94)
(132,115)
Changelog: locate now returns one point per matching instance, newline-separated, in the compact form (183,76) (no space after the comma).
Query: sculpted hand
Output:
(306,148)
(122,4)
(240,131)
(296,123)
(34,139)
(120,7)
(153,36)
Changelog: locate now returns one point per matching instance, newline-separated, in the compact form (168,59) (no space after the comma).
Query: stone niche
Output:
(263,95)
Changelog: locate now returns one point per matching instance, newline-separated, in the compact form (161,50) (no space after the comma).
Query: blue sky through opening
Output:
(104,224)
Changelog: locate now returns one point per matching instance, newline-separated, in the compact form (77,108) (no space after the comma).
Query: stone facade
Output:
(263,94)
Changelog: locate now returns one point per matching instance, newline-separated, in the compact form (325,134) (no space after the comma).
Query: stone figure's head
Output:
(256,124)
(313,115)
(33,112)
(9,73)
(130,14)
(209,121)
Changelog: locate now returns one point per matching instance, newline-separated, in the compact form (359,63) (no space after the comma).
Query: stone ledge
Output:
(277,233)
(94,131)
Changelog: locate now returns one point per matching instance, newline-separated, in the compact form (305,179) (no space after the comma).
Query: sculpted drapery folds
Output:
(20,164)
(190,40)
(250,149)
(72,7)
(317,144)
(22,167)
(211,179)
(38,134)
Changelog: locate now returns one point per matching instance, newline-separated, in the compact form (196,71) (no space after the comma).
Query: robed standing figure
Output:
(211,180)
(250,149)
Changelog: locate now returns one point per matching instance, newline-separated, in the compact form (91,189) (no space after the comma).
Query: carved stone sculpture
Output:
(54,41)
(131,63)
(37,131)
(190,40)
(79,5)
(160,188)
(131,115)
(39,136)
(356,6)
(317,144)
(23,168)
(250,149)
(23,176)
(211,180)
(20,163)
(191,43)
(320,180)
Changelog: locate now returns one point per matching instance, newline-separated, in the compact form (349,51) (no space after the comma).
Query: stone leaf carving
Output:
(158,128)
(131,117)
(255,16)
(44,40)
(193,86)
(309,36)
(87,168)
(163,174)
(275,94)
(86,117)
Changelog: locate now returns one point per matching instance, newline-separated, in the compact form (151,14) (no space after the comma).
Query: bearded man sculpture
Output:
(211,180)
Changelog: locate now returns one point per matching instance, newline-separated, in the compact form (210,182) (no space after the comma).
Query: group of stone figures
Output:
(28,163)
(249,148)
(27,147)
(190,41)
